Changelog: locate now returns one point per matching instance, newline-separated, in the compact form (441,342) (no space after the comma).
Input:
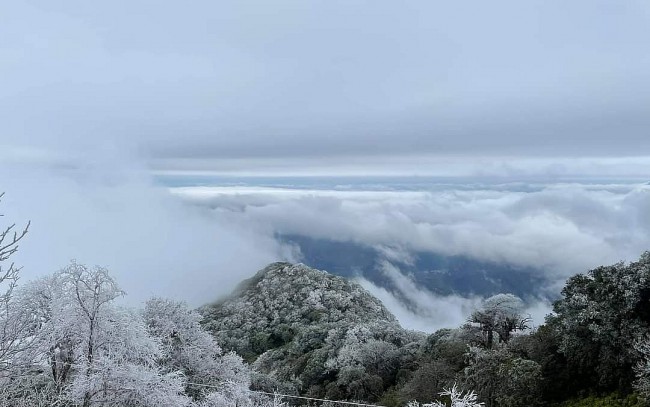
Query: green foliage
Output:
(318,335)
(326,335)
(542,346)
(429,380)
(612,400)
(520,383)
(599,319)
(443,358)
(502,379)
(260,343)
(392,399)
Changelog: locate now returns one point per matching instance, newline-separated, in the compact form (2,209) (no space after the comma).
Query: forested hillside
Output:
(311,333)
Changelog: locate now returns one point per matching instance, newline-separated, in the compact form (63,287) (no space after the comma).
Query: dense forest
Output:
(312,333)
(65,340)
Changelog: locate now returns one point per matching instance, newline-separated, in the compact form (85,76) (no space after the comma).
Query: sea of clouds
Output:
(562,228)
(558,229)
(197,242)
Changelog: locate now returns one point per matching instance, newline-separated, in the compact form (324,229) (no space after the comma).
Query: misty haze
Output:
(274,204)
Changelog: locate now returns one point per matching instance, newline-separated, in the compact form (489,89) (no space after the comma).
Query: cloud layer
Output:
(554,229)
(427,312)
(559,228)
(255,85)
(151,242)
(424,310)
(198,242)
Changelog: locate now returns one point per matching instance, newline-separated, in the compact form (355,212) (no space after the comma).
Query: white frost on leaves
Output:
(458,398)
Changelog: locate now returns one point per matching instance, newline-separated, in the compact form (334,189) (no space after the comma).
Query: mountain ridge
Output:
(298,326)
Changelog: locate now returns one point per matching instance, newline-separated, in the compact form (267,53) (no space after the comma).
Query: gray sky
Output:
(253,85)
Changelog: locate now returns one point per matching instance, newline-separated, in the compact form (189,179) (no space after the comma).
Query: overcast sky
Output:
(253,85)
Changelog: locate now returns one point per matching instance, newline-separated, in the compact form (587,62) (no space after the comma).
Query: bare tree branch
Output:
(10,328)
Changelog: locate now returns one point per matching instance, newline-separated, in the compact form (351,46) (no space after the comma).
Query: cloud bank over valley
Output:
(559,228)
(553,230)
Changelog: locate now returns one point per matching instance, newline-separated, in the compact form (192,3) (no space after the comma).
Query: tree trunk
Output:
(88,396)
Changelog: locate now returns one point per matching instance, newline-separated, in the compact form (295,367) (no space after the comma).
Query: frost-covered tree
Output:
(501,314)
(10,328)
(503,379)
(642,369)
(457,398)
(366,359)
(191,350)
(364,346)
(291,321)
(598,320)
(482,372)
(96,353)
(440,363)
(9,240)
(124,370)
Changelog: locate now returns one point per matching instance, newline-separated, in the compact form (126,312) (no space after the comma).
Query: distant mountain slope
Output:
(292,322)
(283,299)
(437,273)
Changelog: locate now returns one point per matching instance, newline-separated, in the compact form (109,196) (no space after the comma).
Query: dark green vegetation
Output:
(312,333)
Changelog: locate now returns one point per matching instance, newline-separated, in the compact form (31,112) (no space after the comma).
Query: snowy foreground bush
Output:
(78,347)
(457,398)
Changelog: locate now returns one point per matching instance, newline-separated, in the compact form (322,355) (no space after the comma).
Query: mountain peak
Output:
(294,297)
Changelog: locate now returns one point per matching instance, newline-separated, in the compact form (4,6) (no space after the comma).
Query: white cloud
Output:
(422,310)
(107,211)
(151,241)
(557,229)
(561,229)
